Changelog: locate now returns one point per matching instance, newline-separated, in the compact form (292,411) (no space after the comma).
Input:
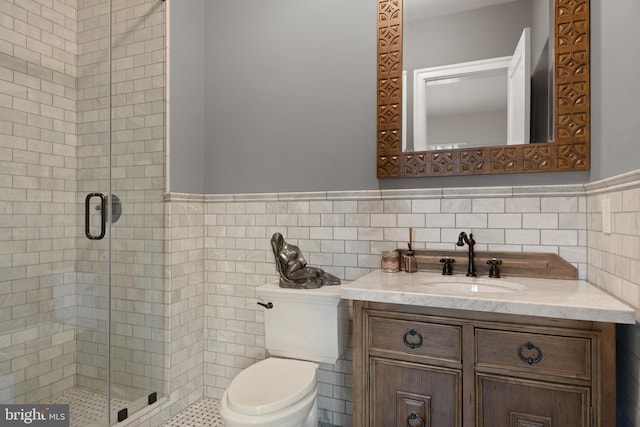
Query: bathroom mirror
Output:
(559,136)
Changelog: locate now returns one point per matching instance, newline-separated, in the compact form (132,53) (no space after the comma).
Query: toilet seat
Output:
(270,386)
(272,393)
(291,416)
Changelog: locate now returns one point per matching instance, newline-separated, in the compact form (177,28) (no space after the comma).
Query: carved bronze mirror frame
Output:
(569,151)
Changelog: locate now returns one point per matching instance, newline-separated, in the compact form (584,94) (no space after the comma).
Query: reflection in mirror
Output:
(456,110)
(480,108)
(464,111)
(473,104)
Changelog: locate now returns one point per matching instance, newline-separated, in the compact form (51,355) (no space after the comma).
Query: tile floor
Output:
(203,413)
(86,408)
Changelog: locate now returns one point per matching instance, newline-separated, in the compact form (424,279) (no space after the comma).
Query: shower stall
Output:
(83,278)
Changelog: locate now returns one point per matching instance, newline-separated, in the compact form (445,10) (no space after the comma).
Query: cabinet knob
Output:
(530,349)
(412,345)
(413,416)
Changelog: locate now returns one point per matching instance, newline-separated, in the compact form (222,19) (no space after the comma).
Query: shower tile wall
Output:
(53,150)
(139,289)
(345,234)
(186,335)
(38,219)
(185,305)
(614,264)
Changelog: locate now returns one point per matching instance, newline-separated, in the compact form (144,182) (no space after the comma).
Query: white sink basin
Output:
(463,284)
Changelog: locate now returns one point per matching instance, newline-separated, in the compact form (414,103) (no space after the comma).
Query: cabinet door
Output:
(512,402)
(408,394)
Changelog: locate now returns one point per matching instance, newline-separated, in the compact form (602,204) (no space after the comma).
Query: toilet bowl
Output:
(303,327)
(272,393)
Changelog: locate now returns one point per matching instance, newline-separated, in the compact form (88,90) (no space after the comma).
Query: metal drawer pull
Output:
(530,360)
(413,416)
(412,345)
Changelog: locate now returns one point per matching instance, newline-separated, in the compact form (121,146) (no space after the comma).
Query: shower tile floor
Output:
(203,413)
(86,409)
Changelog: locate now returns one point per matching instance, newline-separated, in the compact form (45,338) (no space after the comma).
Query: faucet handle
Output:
(447,269)
(494,271)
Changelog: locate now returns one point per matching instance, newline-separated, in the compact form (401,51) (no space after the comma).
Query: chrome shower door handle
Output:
(103,216)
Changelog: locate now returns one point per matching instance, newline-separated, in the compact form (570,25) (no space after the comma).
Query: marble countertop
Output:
(562,299)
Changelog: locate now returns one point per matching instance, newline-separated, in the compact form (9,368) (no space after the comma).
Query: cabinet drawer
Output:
(414,338)
(545,354)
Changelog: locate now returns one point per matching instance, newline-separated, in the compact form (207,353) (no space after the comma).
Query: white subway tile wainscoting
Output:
(614,265)
(345,233)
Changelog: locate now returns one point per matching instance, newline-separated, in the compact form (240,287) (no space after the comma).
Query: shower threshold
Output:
(89,409)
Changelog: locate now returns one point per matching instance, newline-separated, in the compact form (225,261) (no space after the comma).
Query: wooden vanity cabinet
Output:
(418,366)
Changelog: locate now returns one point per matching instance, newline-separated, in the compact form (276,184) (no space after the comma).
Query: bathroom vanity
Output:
(433,350)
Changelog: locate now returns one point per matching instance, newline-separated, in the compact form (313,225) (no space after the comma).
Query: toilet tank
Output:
(306,324)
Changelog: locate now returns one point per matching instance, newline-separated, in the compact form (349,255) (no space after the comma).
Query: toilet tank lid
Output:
(271,385)
(323,295)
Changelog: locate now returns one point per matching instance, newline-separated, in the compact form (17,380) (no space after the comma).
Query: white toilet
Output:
(303,326)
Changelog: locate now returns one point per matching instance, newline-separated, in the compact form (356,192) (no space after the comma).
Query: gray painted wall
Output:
(289,104)
(290,95)
(615,60)
(186,96)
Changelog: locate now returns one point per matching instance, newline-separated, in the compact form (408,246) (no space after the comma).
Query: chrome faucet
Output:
(462,239)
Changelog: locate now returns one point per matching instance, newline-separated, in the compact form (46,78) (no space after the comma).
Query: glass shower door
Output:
(122,159)
(82,292)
